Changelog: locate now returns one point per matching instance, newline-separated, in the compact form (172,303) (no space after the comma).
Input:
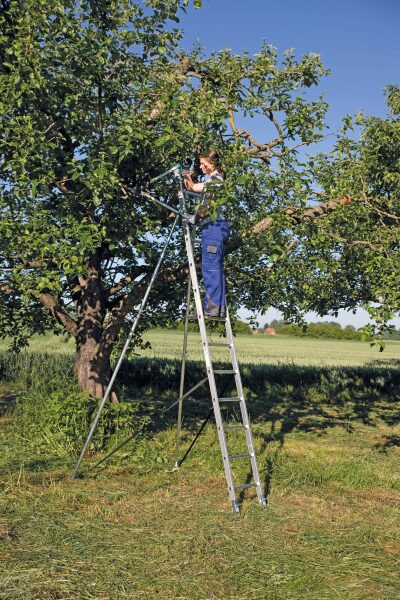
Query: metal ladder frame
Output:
(193,285)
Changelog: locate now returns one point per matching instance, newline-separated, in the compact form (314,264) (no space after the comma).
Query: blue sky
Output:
(358,40)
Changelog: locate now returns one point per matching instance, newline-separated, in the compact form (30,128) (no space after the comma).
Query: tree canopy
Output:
(97,96)
(357,250)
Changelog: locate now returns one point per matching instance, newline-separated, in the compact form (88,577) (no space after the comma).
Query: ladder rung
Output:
(230,456)
(222,344)
(234,427)
(244,486)
(224,372)
(236,399)
(211,318)
(195,318)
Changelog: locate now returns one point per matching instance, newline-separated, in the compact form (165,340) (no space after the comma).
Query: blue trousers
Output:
(214,236)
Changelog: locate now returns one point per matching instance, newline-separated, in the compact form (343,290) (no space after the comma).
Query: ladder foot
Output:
(235,507)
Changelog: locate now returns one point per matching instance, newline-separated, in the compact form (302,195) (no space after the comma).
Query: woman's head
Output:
(209,162)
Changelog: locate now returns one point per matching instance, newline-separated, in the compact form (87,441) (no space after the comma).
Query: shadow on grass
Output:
(389,441)
(283,398)
(37,465)
(288,398)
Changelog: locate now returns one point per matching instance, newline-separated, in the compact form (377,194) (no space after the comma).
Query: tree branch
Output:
(58,312)
(6,289)
(296,216)
(125,303)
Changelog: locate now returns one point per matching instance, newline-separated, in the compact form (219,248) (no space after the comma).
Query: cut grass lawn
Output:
(328,448)
(138,530)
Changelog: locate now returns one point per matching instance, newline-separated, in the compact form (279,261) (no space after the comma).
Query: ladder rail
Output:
(182,379)
(182,395)
(244,412)
(209,368)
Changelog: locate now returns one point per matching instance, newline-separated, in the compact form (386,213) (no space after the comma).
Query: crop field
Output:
(325,419)
(275,350)
(256,349)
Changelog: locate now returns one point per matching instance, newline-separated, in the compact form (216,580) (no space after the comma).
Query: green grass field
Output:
(252,348)
(325,420)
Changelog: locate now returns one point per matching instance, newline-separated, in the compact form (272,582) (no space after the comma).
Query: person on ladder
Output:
(214,235)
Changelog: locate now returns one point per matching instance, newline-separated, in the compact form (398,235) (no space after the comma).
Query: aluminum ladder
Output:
(217,401)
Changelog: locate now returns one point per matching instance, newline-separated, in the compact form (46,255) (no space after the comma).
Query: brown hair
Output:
(213,157)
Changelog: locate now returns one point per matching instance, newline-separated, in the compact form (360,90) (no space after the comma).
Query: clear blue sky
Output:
(359,40)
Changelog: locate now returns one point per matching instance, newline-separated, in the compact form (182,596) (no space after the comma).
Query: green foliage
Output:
(51,412)
(350,258)
(370,170)
(61,419)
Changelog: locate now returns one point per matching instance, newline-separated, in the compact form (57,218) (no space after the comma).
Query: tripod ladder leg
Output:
(182,380)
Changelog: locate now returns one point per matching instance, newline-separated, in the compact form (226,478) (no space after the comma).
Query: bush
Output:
(51,411)
(63,417)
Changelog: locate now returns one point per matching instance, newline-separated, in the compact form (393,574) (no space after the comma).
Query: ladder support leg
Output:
(183,366)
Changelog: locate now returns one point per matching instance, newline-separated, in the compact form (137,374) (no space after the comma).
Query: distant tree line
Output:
(321,329)
(239,327)
(331,329)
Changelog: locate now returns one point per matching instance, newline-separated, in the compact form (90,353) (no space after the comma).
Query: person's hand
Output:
(188,181)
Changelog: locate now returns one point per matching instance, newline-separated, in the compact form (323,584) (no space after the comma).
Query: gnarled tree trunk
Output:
(93,366)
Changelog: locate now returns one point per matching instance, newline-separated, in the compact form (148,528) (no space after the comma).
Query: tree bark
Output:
(93,368)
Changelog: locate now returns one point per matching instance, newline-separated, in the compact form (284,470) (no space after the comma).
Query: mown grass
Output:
(328,443)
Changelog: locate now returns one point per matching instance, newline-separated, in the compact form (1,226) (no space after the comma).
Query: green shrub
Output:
(51,411)
(63,417)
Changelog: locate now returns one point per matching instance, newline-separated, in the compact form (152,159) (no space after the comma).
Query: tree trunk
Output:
(93,369)
(93,366)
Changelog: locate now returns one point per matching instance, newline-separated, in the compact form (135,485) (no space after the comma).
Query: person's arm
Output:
(191,185)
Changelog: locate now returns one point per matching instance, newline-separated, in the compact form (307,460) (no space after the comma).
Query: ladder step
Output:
(224,372)
(233,456)
(237,399)
(222,344)
(244,486)
(195,318)
(234,427)
(211,318)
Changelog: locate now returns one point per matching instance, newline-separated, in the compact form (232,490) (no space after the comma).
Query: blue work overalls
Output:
(214,236)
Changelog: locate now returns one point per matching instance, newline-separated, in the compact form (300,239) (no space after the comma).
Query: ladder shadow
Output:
(284,398)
